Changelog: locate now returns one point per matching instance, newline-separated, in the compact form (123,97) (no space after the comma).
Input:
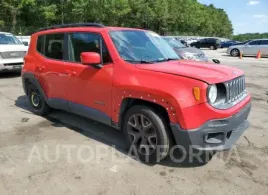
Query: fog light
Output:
(214,138)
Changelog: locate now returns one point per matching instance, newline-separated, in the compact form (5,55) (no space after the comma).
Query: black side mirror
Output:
(25,43)
(216,61)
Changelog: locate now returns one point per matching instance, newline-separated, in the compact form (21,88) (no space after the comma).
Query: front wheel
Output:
(235,52)
(147,134)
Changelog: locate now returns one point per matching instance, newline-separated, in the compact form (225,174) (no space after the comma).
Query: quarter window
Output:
(40,44)
(86,42)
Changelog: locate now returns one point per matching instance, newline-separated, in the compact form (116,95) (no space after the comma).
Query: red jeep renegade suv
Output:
(131,79)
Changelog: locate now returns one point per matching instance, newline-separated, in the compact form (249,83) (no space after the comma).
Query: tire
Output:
(235,52)
(142,125)
(212,47)
(37,101)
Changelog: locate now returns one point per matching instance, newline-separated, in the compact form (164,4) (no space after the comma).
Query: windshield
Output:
(142,46)
(174,43)
(9,39)
(245,42)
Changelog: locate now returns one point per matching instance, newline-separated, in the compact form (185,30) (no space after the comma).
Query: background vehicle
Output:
(184,52)
(12,52)
(249,48)
(25,40)
(132,80)
(210,43)
(182,41)
(226,44)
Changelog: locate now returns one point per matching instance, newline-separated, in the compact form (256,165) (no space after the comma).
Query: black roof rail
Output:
(72,25)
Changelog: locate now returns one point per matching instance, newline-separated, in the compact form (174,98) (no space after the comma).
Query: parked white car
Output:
(249,48)
(25,40)
(12,52)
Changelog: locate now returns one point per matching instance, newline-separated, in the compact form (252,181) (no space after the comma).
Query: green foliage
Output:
(170,17)
(249,36)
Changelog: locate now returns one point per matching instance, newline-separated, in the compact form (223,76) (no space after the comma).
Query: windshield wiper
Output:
(140,61)
(166,59)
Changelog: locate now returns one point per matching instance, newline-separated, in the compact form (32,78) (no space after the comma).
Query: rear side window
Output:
(255,43)
(264,42)
(86,42)
(54,46)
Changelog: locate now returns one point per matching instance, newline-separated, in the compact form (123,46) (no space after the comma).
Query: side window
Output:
(40,44)
(254,43)
(203,41)
(264,42)
(86,42)
(54,46)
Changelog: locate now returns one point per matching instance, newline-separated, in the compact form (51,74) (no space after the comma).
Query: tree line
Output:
(167,17)
(250,36)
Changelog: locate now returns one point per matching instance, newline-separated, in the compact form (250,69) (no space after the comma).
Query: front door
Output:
(89,89)
(252,48)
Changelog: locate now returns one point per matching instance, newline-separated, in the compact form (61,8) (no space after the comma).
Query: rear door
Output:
(51,68)
(203,43)
(264,47)
(252,48)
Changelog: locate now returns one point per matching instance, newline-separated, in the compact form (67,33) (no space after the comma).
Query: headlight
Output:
(189,56)
(212,94)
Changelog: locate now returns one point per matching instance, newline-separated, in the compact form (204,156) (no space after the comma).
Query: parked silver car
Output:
(187,53)
(249,48)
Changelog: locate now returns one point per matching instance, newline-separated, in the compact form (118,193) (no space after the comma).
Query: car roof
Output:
(82,26)
(5,33)
(258,39)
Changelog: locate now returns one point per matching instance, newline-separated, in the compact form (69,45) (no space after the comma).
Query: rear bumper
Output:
(220,134)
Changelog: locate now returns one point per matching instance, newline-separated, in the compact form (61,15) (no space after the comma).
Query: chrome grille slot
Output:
(235,89)
(12,54)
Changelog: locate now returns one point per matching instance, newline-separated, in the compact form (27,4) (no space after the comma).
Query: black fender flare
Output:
(30,77)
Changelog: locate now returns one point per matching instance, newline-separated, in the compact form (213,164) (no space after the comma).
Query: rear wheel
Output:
(147,134)
(235,52)
(212,47)
(37,101)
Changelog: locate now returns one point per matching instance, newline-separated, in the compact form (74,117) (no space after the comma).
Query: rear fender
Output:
(28,78)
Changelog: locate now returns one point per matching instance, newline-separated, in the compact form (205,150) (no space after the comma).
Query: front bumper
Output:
(220,134)
(228,51)
(12,65)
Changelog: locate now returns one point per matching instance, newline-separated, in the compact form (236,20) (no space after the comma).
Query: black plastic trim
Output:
(195,138)
(32,79)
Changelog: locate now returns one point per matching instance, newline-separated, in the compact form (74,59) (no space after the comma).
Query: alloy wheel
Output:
(142,134)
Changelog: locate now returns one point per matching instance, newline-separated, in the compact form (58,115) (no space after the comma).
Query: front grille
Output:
(235,89)
(200,55)
(12,54)
(14,64)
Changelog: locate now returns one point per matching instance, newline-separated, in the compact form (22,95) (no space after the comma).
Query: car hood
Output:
(189,50)
(4,48)
(207,72)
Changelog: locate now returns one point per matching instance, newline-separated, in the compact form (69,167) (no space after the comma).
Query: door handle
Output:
(70,73)
(40,68)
